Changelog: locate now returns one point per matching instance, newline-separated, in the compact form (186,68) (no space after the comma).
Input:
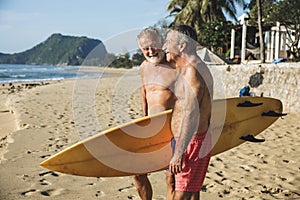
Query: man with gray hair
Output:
(158,79)
(191,114)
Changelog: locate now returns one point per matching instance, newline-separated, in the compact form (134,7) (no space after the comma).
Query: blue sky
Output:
(25,23)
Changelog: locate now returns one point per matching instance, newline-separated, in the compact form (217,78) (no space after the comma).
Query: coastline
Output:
(39,122)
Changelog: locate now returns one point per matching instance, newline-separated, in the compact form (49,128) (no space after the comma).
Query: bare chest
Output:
(159,79)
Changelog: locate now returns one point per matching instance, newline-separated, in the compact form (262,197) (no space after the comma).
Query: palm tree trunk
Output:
(261,39)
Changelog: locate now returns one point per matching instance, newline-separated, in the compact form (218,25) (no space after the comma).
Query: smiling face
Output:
(171,46)
(151,45)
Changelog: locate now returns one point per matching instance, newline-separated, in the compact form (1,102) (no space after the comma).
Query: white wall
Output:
(281,81)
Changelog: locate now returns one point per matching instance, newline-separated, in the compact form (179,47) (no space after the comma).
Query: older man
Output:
(192,112)
(157,90)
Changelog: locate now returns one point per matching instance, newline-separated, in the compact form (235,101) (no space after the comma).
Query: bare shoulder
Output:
(198,74)
(191,72)
(145,66)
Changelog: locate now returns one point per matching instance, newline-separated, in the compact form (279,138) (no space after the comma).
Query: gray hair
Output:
(150,31)
(186,34)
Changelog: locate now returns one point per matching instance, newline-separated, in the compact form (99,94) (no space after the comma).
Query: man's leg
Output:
(143,186)
(186,195)
(194,169)
(170,180)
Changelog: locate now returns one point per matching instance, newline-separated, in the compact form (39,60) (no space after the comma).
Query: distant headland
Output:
(60,49)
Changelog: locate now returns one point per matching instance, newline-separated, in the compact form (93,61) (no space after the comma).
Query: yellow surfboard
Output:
(143,145)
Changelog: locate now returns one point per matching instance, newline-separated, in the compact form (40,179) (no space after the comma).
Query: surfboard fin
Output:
(251,138)
(248,104)
(272,113)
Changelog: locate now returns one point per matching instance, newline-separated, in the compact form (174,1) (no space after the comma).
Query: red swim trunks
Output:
(195,164)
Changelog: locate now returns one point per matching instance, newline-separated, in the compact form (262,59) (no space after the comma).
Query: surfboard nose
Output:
(49,163)
(45,163)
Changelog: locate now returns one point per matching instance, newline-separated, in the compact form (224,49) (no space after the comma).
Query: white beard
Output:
(157,59)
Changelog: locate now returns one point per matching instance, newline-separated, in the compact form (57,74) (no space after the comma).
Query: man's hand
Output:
(176,164)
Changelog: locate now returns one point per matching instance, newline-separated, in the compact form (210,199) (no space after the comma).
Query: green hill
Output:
(60,50)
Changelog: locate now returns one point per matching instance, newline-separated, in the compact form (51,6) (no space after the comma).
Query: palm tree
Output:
(260,29)
(198,12)
(186,12)
(203,10)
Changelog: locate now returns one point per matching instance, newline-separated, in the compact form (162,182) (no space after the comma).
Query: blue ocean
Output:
(11,73)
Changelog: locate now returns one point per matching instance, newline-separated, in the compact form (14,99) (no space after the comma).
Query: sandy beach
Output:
(40,120)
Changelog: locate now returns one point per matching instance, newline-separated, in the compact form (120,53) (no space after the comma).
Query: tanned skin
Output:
(192,110)
(157,91)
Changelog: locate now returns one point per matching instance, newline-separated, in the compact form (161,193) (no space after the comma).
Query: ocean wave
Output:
(13,76)
(31,80)
(35,73)
(18,76)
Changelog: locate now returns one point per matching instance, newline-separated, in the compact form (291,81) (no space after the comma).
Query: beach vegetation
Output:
(287,13)
(138,58)
(217,32)
(125,60)
(122,61)
(203,15)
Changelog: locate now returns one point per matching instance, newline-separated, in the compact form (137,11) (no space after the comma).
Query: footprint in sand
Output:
(24,126)
(28,192)
(25,177)
(131,197)
(226,182)
(219,173)
(247,168)
(218,182)
(99,193)
(126,188)
(44,182)
(48,173)
(52,192)
(45,156)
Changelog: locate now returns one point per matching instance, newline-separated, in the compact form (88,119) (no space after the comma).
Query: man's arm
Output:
(143,94)
(189,117)
(144,101)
